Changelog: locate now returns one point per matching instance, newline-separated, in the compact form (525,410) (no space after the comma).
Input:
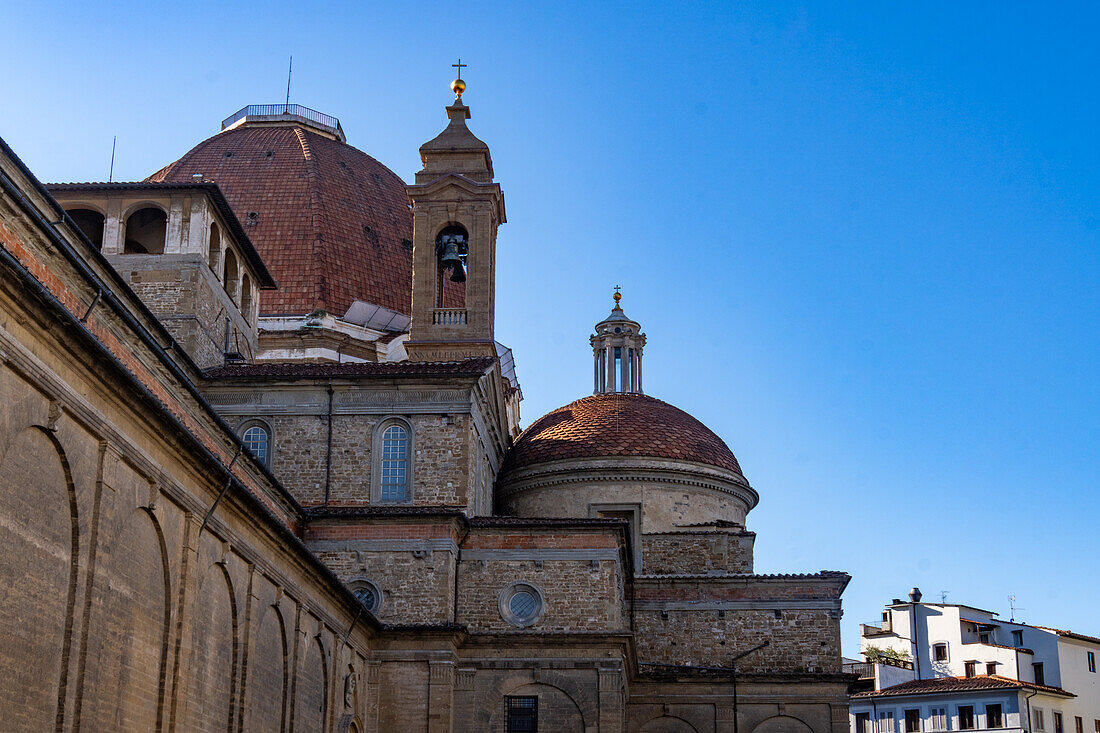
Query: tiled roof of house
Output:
(960,684)
(618,425)
(331,223)
(1070,634)
(473,367)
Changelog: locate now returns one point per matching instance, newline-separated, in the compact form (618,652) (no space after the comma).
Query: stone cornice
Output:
(628,470)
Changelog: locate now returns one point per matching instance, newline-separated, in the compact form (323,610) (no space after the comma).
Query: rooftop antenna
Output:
(943,596)
(111,173)
(1014,607)
(286,107)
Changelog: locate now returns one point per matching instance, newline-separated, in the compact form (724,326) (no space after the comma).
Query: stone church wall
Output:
(697,552)
(121,611)
(579,575)
(412,565)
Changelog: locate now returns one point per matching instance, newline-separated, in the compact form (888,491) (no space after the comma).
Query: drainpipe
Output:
(1028,703)
(328,445)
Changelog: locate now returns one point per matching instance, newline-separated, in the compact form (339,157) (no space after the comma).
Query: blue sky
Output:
(863,239)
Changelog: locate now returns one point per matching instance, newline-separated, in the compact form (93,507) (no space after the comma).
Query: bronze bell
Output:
(452,260)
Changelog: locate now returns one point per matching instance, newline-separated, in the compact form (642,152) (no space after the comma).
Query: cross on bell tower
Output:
(617,352)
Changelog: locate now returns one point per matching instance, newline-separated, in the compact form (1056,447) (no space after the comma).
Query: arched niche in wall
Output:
(39,541)
(146,230)
(209,677)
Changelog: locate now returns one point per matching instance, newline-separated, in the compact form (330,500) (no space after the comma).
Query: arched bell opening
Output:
(452,247)
(146,230)
(90,222)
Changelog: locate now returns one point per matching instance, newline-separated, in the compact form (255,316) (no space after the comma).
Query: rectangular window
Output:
(1096,723)
(1037,670)
(993,717)
(886,722)
(966,717)
(523,714)
(1017,638)
(1079,724)
(1040,723)
(985,637)
(971,668)
(991,668)
(912,721)
(939,718)
(1058,723)
(863,723)
(1091,660)
(939,652)
(618,369)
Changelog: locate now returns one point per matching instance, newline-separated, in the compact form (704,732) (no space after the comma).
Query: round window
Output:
(368,594)
(521,604)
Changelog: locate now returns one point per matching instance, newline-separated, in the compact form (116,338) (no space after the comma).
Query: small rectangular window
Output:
(1040,723)
(1096,724)
(1092,661)
(523,714)
(971,668)
(991,668)
(939,652)
(993,717)
(1079,724)
(1037,670)
(966,717)
(985,637)
(912,721)
(1017,638)
(1058,723)
(863,723)
(939,718)
(886,723)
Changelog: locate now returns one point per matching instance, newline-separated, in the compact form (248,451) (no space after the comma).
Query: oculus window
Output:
(521,604)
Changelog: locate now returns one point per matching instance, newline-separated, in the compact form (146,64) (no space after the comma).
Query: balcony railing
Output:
(449,317)
(270,110)
(865,670)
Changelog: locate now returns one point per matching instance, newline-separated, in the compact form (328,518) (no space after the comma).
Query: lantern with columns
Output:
(617,352)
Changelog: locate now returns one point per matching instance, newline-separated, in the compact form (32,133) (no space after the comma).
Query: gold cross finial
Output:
(458,86)
(617,296)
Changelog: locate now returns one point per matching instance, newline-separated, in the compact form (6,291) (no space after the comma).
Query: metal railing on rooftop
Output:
(271,110)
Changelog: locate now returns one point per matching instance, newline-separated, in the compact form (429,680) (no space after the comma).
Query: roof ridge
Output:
(316,216)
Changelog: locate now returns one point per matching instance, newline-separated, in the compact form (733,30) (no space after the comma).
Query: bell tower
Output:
(456,211)
(617,352)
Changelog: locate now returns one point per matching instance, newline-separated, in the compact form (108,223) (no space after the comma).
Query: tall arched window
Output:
(392,454)
(257,438)
(395,464)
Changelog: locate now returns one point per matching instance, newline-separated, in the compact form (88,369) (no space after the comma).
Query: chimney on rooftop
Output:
(914,595)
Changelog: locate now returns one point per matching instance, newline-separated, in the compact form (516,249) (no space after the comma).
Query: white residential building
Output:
(968,670)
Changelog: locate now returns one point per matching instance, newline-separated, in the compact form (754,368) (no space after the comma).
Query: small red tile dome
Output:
(619,424)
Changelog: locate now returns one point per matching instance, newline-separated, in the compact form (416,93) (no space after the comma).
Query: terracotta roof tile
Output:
(331,223)
(609,425)
(474,367)
(960,684)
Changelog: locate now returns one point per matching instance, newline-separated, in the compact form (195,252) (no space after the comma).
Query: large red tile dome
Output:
(332,223)
(619,425)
